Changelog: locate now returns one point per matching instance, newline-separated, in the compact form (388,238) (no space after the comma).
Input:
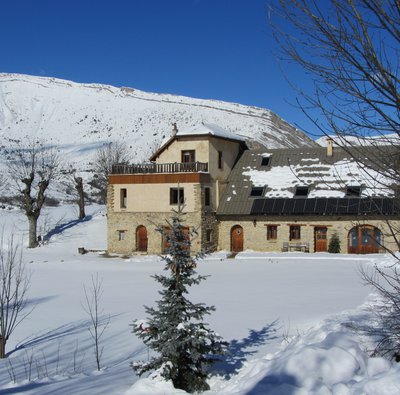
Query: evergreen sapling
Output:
(185,347)
(334,244)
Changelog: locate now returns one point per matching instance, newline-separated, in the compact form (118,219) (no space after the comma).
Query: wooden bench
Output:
(286,247)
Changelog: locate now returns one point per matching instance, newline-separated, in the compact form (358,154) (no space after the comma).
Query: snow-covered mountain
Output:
(78,118)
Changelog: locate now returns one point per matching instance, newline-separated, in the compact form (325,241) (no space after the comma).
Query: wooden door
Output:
(185,237)
(364,239)
(165,240)
(368,240)
(320,239)
(141,239)
(237,238)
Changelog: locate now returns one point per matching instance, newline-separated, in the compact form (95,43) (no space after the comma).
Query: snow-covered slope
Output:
(80,117)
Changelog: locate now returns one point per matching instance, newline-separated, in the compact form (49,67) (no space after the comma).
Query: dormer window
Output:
(301,191)
(188,156)
(257,191)
(353,191)
(265,161)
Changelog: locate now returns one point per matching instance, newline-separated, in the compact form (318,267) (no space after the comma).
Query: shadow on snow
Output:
(238,351)
(60,228)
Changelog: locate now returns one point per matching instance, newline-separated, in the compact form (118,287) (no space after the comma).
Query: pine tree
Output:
(186,348)
(334,244)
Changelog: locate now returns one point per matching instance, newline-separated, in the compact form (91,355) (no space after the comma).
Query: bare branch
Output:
(14,285)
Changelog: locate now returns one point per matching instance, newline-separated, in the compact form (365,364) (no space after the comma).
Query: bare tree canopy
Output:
(31,170)
(14,285)
(349,50)
(107,156)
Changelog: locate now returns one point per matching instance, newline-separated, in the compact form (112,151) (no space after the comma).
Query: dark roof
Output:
(325,206)
(325,176)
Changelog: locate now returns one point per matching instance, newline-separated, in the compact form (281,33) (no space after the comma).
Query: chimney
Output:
(174,129)
(329,146)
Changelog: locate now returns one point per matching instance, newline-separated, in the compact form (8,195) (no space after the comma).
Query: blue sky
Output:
(212,49)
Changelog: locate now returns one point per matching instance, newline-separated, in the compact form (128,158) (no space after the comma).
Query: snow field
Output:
(282,315)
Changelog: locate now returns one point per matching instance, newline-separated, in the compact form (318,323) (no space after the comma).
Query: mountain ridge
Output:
(78,118)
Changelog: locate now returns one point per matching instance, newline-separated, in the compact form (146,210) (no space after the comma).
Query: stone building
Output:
(192,167)
(258,199)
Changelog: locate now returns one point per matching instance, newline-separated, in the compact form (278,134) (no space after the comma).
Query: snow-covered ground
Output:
(282,315)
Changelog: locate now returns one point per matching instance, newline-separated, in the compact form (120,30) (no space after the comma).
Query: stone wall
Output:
(128,222)
(255,232)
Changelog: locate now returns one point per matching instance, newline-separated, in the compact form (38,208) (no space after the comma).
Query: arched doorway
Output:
(364,239)
(236,238)
(141,239)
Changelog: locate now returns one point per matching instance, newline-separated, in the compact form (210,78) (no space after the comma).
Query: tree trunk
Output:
(81,197)
(2,348)
(32,232)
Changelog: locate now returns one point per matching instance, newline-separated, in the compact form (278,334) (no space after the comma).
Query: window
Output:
(353,191)
(265,161)
(207,196)
(209,235)
(176,195)
(188,156)
(301,191)
(294,232)
(121,235)
(272,232)
(256,191)
(123,197)
(219,159)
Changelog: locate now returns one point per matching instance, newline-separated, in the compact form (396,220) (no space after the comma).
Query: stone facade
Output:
(219,201)
(255,232)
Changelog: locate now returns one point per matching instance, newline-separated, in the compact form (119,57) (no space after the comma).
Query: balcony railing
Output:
(145,168)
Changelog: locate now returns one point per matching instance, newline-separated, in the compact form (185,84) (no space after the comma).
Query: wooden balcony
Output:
(160,168)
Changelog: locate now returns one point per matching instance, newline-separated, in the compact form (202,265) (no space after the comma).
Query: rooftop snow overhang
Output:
(207,130)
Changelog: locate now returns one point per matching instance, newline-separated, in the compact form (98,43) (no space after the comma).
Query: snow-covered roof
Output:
(203,129)
(209,129)
(322,176)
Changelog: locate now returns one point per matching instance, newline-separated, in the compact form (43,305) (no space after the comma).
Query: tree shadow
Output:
(31,386)
(60,228)
(32,302)
(282,384)
(238,351)
(62,331)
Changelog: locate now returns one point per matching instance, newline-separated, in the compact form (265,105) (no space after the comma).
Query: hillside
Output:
(78,118)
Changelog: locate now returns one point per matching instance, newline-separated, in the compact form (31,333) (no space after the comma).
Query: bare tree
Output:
(14,284)
(349,51)
(92,307)
(385,329)
(107,156)
(31,170)
(78,184)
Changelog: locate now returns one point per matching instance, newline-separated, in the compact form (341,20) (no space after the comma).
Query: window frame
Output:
(272,232)
(254,192)
(353,191)
(176,196)
(209,233)
(220,162)
(302,191)
(265,161)
(294,232)
(121,235)
(191,153)
(123,198)
(207,196)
